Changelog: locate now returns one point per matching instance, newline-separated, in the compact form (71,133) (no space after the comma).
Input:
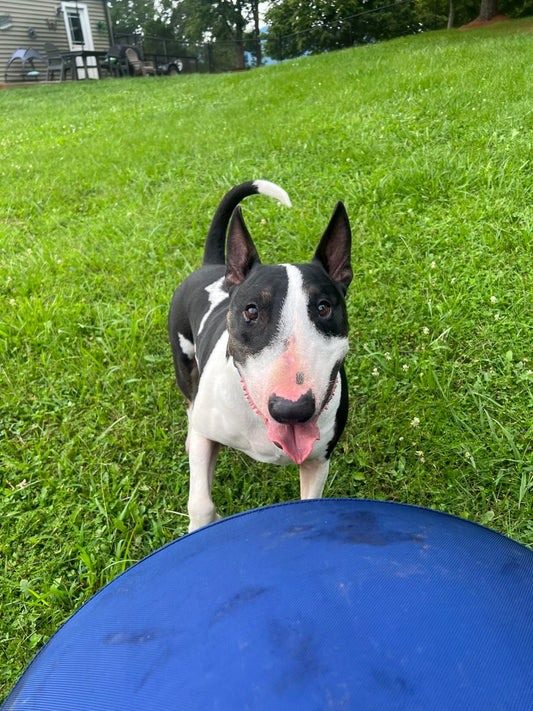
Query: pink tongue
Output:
(296,440)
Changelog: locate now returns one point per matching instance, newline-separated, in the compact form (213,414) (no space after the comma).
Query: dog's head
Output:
(288,330)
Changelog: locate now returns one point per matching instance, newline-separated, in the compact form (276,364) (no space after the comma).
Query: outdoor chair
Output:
(56,63)
(138,67)
(115,63)
(26,56)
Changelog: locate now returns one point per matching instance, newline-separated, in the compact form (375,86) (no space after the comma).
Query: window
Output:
(76,31)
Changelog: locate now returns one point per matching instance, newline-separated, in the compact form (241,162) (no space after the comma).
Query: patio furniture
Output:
(138,67)
(26,57)
(114,62)
(58,62)
(85,63)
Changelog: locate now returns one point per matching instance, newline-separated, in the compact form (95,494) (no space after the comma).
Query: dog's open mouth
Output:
(296,440)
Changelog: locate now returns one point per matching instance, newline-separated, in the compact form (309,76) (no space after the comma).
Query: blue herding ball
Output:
(329,604)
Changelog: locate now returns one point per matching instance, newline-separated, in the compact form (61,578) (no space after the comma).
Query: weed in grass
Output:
(106,198)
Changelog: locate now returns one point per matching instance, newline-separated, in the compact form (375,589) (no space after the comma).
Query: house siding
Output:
(38,14)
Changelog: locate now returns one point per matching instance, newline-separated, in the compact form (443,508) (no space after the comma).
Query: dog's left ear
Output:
(241,254)
(334,248)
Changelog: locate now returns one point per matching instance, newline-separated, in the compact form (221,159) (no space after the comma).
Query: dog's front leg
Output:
(202,459)
(313,475)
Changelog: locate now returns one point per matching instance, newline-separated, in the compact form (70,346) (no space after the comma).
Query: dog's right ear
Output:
(241,254)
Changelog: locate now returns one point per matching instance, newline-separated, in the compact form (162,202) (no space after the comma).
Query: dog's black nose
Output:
(289,412)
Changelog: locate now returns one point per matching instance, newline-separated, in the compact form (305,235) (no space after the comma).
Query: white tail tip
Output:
(264,187)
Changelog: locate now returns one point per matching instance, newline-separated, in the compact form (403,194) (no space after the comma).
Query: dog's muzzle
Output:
(289,412)
(292,424)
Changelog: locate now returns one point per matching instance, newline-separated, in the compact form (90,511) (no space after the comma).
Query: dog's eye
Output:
(251,312)
(324,308)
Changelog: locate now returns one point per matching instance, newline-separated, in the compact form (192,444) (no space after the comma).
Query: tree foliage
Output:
(132,16)
(200,21)
(218,20)
(297,27)
(509,8)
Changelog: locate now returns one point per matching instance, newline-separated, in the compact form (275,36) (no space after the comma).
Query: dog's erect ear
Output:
(241,254)
(334,248)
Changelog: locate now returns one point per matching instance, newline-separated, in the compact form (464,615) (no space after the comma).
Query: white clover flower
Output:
(496,317)
(405,367)
(388,356)
(425,331)
(415,422)
(375,373)
(493,299)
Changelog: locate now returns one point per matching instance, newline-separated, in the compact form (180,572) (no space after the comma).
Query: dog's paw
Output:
(203,519)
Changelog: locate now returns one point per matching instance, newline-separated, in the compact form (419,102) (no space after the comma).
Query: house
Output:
(70,25)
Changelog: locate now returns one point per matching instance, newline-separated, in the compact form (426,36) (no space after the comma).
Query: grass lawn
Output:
(107,191)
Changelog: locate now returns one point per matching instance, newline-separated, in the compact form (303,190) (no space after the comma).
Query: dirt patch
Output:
(478,22)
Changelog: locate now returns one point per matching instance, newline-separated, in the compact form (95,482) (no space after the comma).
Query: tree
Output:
(218,20)
(132,16)
(488,9)
(298,27)
(451,15)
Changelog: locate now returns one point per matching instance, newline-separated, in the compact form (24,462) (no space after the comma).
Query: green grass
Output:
(107,190)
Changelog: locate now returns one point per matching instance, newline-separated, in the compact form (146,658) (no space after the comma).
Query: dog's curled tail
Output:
(215,244)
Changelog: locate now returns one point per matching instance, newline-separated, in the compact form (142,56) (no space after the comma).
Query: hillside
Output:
(108,189)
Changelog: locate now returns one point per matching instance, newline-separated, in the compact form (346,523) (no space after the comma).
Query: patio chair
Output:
(138,67)
(26,56)
(57,62)
(115,64)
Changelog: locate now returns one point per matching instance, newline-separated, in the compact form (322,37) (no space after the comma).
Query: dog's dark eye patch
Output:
(255,311)
(326,305)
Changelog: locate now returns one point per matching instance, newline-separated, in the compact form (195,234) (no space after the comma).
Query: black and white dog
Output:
(258,351)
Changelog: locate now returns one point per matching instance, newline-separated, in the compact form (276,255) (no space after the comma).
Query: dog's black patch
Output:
(321,289)
(265,288)
(341,416)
